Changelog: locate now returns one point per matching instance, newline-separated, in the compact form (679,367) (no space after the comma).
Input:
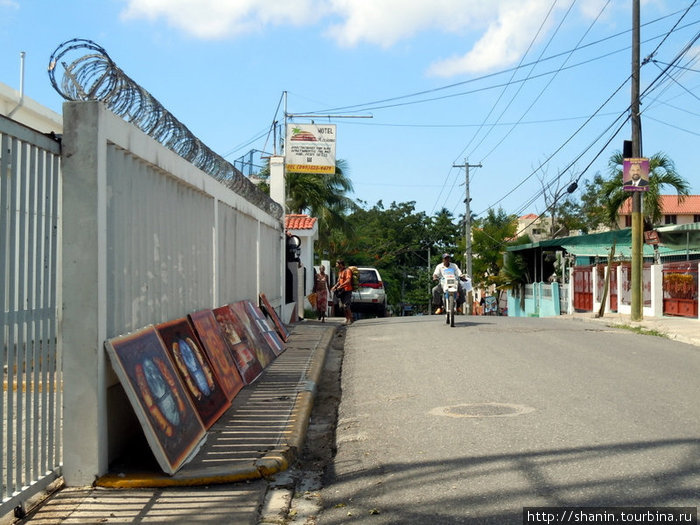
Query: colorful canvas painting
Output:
(270,312)
(169,419)
(256,341)
(246,361)
(210,335)
(267,329)
(194,369)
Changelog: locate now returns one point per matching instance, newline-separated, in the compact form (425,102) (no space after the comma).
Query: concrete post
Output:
(85,454)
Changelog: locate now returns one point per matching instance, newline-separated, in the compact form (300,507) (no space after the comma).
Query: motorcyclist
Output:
(438,274)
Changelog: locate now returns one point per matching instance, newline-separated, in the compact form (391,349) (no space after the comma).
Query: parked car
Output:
(371,297)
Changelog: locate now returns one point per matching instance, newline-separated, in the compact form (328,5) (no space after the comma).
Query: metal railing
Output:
(30,412)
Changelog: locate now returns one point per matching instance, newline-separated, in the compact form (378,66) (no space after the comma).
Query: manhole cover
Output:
(482,410)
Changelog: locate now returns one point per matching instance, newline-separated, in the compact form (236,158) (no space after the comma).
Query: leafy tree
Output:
(393,241)
(323,196)
(490,235)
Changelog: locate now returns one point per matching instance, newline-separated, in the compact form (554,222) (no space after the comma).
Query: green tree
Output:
(324,196)
(490,235)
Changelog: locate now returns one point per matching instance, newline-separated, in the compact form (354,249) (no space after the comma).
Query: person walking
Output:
(344,288)
(321,289)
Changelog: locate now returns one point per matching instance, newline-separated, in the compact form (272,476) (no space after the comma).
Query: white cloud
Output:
(214,19)
(503,28)
(509,34)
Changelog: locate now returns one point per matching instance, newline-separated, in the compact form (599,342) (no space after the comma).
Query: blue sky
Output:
(524,87)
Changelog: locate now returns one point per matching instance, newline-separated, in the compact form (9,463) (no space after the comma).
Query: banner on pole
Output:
(310,148)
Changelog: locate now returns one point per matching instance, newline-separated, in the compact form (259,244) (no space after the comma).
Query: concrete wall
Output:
(26,111)
(147,238)
(541,300)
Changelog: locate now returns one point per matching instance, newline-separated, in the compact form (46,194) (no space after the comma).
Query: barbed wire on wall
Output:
(93,75)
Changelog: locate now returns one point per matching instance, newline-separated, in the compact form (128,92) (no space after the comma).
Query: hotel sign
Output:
(310,148)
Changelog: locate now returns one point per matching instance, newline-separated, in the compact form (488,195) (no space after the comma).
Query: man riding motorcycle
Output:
(437,289)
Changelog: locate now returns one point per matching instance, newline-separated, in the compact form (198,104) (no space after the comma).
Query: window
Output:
(670,219)
(696,218)
(628,221)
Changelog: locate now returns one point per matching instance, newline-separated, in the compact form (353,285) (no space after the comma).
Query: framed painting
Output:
(169,420)
(246,361)
(195,370)
(270,312)
(256,341)
(210,335)
(268,331)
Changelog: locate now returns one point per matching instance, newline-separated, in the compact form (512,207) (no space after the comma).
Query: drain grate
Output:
(482,410)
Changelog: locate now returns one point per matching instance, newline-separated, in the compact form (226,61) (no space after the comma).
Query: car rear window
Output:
(368,276)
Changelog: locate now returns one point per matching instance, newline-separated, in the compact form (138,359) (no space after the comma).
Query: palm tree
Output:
(323,196)
(662,172)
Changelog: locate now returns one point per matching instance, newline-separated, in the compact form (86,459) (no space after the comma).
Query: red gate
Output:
(681,289)
(583,288)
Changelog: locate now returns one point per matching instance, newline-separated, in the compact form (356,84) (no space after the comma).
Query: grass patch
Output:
(641,330)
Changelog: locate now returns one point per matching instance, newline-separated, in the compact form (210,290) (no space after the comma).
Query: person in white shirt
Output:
(437,274)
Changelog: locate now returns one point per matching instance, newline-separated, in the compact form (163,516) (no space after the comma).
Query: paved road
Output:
(471,424)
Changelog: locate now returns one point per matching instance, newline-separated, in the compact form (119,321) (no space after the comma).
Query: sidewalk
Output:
(682,329)
(259,436)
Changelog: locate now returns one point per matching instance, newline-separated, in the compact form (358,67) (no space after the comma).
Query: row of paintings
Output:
(181,376)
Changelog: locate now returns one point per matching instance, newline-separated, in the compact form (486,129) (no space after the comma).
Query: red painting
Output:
(247,363)
(169,420)
(194,369)
(209,334)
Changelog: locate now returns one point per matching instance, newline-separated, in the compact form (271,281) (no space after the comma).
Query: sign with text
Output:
(310,148)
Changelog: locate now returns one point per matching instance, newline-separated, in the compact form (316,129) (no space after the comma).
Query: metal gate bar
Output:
(30,412)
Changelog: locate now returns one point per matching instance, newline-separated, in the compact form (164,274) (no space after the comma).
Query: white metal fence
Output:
(30,230)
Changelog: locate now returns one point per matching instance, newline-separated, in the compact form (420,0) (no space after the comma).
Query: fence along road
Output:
(30,446)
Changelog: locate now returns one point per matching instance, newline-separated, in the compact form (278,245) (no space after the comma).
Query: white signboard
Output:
(310,148)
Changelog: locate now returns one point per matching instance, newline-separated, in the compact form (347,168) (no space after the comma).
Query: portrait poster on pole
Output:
(635,174)
(194,369)
(212,339)
(310,148)
(169,420)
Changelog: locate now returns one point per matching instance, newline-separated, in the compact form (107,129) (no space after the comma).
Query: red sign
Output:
(651,237)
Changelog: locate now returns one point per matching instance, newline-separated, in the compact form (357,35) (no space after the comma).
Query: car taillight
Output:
(372,285)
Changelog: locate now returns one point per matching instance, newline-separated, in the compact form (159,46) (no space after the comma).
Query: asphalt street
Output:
(471,424)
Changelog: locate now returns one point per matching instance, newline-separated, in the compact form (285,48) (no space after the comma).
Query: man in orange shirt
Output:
(344,288)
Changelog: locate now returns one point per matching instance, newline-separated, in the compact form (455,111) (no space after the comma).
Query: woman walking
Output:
(321,289)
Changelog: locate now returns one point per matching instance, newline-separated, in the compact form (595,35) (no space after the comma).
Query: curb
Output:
(274,461)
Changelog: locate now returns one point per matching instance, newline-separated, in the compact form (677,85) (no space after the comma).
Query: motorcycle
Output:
(450,290)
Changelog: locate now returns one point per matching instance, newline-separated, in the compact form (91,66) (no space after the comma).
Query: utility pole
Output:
(468,225)
(467,217)
(637,225)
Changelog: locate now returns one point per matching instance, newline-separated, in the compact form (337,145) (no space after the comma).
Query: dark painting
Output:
(195,370)
(220,357)
(169,419)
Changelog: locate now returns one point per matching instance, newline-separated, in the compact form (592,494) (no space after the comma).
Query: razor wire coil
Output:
(93,75)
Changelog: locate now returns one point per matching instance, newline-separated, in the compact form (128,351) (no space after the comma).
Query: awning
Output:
(680,236)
